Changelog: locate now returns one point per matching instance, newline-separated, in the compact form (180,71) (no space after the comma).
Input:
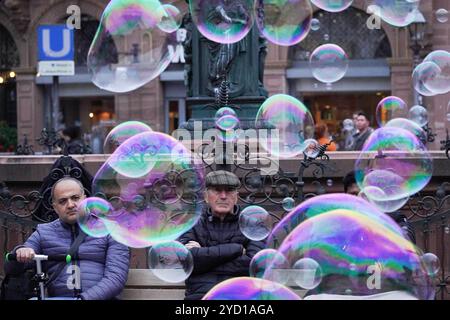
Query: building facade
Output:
(381,64)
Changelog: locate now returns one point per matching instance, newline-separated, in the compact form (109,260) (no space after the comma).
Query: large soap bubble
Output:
(223,21)
(122,132)
(332,5)
(410,126)
(290,124)
(390,108)
(328,63)
(371,193)
(285,22)
(155,186)
(350,247)
(398,13)
(322,204)
(246,288)
(170,261)
(422,75)
(130,48)
(394,160)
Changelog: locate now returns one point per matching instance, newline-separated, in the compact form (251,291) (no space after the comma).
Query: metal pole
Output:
(55,102)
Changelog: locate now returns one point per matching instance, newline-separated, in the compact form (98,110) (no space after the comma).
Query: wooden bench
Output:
(142,284)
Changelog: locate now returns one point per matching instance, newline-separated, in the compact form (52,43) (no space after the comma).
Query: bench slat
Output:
(146,278)
(152,294)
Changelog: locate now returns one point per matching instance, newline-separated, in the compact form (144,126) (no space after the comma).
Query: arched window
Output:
(9,61)
(349,30)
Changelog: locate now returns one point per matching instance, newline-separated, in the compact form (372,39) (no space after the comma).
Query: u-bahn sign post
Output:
(56,58)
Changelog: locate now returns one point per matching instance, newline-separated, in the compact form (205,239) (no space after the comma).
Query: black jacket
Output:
(220,256)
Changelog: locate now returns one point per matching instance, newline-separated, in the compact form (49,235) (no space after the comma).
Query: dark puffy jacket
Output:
(103,262)
(220,256)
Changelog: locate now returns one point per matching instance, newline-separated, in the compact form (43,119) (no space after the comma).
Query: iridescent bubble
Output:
(170,261)
(398,13)
(442,15)
(92,213)
(266,258)
(419,115)
(432,263)
(224,111)
(284,22)
(328,63)
(312,148)
(448,112)
(171,20)
(290,123)
(390,108)
(315,24)
(117,61)
(372,193)
(308,273)
(223,21)
(246,288)
(288,204)
(154,184)
(322,204)
(394,160)
(422,74)
(410,126)
(349,246)
(332,5)
(439,83)
(121,133)
(255,223)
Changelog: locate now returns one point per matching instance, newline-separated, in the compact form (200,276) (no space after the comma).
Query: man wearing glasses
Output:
(219,248)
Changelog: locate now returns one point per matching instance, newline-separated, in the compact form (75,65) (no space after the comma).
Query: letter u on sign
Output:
(47,44)
(55,43)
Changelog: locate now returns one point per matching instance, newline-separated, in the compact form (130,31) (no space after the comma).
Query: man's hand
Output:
(25,255)
(243,251)
(192,244)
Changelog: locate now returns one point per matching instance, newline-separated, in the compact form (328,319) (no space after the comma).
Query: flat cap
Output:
(222,178)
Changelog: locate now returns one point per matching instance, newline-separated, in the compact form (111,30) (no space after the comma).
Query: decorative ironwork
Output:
(56,144)
(430,136)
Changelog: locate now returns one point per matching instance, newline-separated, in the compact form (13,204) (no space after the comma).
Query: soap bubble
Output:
(269,257)
(288,204)
(328,63)
(224,111)
(155,185)
(422,75)
(223,21)
(394,160)
(439,83)
(284,22)
(419,115)
(312,149)
(315,24)
(246,288)
(170,261)
(129,49)
(171,20)
(290,124)
(308,273)
(92,213)
(442,15)
(121,133)
(349,246)
(332,5)
(254,222)
(432,263)
(390,108)
(398,13)
(322,204)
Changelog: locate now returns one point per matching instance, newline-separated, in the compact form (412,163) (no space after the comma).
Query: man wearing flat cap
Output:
(219,248)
